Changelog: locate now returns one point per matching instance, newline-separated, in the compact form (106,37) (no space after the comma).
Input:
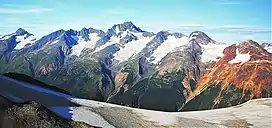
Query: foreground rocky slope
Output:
(32,115)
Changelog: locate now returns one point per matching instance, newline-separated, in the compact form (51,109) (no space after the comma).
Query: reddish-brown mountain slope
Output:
(246,66)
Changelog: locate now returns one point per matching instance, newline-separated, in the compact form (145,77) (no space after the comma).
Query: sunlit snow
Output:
(211,51)
(240,58)
(76,50)
(54,42)
(132,48)
(6,37)
(22,41)
(117,30)
(113,40)
(245,111)
(83,114)
(269,49)
(169,45)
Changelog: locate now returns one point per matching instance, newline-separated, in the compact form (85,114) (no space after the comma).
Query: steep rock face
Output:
(48,68)
(154,43)
(6,47)
(243,73)
(142,65)
(187,60)
(128,38)
(117,30)
(177,74)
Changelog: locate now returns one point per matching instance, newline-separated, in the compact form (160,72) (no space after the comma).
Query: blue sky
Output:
(223,20)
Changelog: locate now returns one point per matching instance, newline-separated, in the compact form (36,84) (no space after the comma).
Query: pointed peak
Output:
(248,43)
(71,32)
(163,33)
(91,28)
(21,31)
(84,29)
(58,31)
(128,25)
(198,33)
(201,38)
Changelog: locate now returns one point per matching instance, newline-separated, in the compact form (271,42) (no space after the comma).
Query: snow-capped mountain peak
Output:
(127,26)
(21,32)
(201,38)
(20,38)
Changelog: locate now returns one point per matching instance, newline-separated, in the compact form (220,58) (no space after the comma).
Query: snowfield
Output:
(132,48)
(210,52)
(240,58)
(254,113)
(113,40)
(269,49)
(76,50)
(22,41)
(169,45)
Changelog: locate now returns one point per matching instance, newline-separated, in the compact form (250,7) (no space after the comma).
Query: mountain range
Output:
(126,65)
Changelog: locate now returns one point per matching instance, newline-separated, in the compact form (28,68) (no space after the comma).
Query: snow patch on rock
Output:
(113,40)
(23,40)
(54,42)
(5,37)
(240,58)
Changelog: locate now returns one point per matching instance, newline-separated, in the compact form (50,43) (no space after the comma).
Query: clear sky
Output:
(222,20)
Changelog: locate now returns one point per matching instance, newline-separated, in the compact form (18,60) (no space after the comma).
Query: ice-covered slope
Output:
(269,49)
(267,46)
(167,46)
(127,37)
(76,50)
(240,58)
(255,113)
(22,38)
(132,48)
(211,52)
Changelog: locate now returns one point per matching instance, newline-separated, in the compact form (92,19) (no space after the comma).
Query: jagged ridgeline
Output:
(126,65)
